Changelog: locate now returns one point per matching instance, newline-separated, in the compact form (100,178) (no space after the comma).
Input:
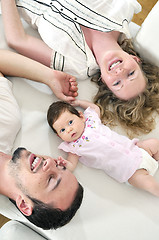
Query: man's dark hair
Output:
(47,217)
(56,109)
(16,153)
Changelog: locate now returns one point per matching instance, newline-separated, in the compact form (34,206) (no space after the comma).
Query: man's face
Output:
(41,178)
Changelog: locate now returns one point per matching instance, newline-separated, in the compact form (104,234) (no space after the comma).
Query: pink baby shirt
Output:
(100,147)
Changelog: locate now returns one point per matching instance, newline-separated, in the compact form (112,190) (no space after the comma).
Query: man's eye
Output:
(70,122)
(50,178)
(131,73)
(116,83)
(62,130)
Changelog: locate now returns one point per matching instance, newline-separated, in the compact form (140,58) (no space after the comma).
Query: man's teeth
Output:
(114,64)
(34,162)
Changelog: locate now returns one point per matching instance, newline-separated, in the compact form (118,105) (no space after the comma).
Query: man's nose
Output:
(48,163)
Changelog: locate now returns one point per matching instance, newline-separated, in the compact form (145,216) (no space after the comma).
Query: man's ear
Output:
(24,206)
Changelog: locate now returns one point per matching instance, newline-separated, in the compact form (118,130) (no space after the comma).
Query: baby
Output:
(95,145)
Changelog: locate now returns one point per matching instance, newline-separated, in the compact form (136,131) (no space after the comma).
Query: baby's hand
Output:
(61,161)
(75,103)
(64,163)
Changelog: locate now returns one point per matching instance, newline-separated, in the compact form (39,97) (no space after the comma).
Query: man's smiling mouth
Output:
(34,162)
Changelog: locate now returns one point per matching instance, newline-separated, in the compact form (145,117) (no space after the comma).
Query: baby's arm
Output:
(70,163)
(85,104)
(17,39)
(151,146)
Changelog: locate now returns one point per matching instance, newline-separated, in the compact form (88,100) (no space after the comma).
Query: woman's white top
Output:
(58,23)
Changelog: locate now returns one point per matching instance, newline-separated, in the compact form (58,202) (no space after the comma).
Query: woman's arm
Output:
(85,104)
(63,85)
(17,38)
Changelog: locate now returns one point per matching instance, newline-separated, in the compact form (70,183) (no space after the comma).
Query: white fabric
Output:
(109,210)
(14,230)
(148,163)
(10,116)
(147,41)
(58,23)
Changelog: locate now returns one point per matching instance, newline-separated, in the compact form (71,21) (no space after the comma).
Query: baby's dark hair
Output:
(56,109)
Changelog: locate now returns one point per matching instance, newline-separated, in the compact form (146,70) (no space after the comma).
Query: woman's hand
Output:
(64,86)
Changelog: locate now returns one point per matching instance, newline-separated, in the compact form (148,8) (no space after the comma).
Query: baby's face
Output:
(69,126)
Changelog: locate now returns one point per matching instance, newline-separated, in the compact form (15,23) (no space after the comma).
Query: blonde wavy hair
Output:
(135,115)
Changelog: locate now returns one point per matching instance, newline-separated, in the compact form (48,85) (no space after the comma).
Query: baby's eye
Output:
(62,130)
(70,122)
(131,73)
(116,83)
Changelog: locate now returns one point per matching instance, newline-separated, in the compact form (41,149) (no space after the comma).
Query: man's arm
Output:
(17,39)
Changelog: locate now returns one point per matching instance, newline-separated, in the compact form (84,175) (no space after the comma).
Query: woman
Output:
(63,85)
(81,38)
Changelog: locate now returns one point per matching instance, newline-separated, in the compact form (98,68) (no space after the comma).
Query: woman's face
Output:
(122,74)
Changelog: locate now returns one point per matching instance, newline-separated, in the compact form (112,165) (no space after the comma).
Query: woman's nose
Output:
(119,70)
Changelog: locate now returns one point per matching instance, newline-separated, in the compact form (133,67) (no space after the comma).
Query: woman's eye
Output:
(62,130)
(70,122)
(131,73)
(116,83)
